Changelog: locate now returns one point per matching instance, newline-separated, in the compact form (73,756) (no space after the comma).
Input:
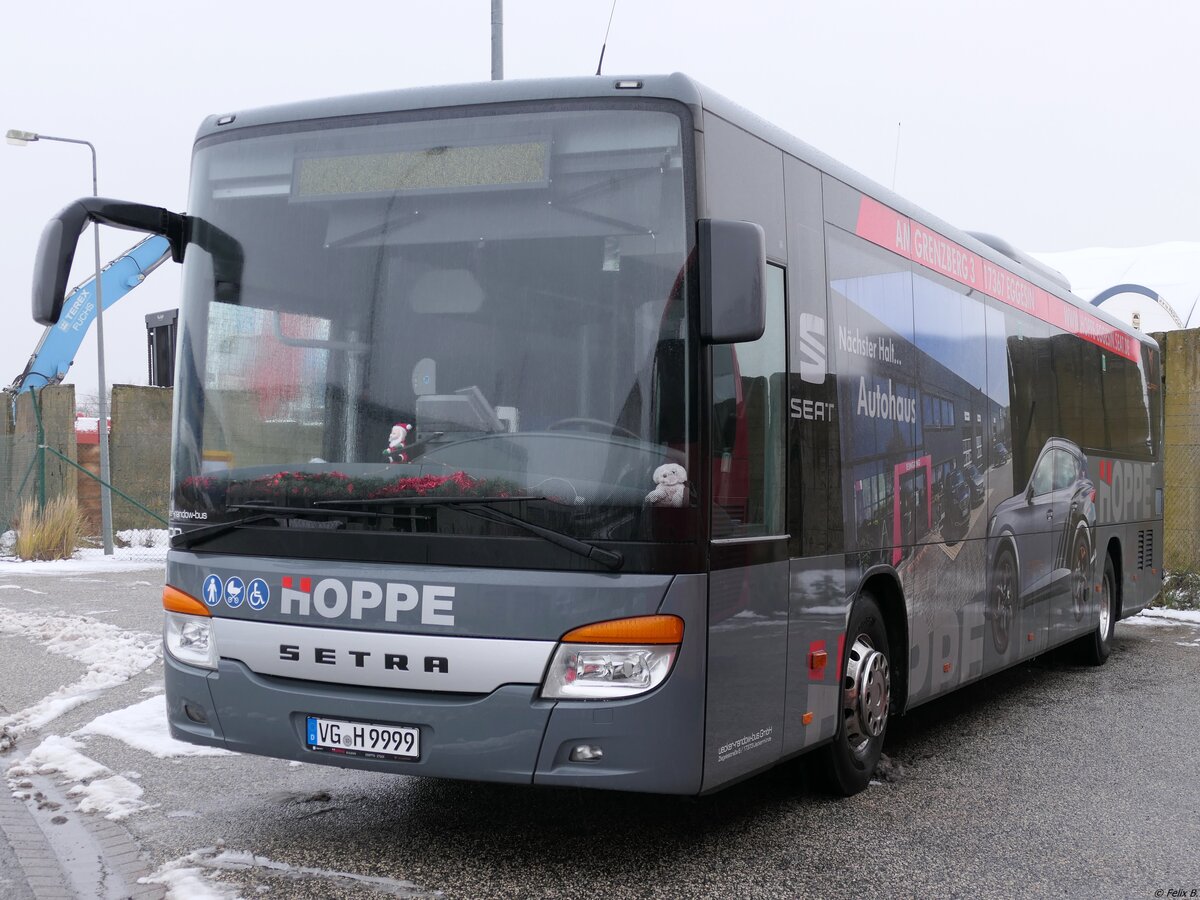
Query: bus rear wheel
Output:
(1095,647)
(866,696)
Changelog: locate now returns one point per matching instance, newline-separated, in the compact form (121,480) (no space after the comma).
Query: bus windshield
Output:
(489,306)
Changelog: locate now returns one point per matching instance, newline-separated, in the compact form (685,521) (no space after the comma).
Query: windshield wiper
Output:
(189,539)
(475,506)
(610,559)
(261,512)
(481,508)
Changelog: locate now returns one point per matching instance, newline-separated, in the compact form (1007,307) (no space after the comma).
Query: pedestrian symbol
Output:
(257,594)
(213,590)
(235,591)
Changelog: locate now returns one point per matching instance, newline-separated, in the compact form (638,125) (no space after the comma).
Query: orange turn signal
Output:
(177,601)
(636,630)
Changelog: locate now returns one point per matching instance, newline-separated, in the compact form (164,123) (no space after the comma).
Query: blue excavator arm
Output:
(56,350)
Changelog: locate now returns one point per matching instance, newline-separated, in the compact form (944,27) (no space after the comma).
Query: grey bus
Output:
(595,432)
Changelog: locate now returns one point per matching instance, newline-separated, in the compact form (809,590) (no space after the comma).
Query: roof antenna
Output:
(896,156)
(600,64)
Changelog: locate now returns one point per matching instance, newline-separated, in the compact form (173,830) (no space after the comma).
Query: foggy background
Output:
(1056,125)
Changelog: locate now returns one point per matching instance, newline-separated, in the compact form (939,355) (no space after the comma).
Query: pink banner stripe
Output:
(883,226)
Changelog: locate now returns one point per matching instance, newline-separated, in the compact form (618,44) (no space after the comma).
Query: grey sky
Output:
(1058,124)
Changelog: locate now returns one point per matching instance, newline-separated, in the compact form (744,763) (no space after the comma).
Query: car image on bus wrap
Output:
(1042,538)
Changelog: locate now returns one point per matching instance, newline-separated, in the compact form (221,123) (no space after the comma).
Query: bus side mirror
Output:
(733,274)
(56,249)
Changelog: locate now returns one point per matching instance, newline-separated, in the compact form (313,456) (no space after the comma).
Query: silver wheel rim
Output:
(867,695)
(1105,607)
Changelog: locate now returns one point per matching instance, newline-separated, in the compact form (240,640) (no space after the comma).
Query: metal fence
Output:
(47,450)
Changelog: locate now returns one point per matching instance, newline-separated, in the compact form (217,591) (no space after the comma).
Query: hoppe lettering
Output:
(330,598)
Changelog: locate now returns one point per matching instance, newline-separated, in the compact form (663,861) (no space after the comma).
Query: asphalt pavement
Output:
(1049,779)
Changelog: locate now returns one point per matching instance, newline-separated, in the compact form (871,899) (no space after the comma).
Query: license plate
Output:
(363,738)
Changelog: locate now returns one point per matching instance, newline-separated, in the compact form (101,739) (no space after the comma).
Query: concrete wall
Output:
(7,502)
(140,454)
(1181,435)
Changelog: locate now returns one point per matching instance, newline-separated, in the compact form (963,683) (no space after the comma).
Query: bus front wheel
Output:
(866,695)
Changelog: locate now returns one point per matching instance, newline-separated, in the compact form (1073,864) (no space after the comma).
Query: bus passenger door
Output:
(748,581)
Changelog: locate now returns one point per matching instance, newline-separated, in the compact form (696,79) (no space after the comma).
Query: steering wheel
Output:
(580,423)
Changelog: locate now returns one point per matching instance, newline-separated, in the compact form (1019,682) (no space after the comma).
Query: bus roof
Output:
(676,86)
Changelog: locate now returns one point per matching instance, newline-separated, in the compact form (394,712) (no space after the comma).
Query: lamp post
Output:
(497,40)
(21,139)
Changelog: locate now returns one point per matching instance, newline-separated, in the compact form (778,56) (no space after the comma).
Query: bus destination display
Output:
(432,169)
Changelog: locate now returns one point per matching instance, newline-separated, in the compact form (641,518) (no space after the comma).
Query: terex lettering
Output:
(331,599)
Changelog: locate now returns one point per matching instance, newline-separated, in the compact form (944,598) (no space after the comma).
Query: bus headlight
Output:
(190,640)
(598,671)
(609,660)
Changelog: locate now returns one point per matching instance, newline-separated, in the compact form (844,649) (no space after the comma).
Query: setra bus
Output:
(595,432)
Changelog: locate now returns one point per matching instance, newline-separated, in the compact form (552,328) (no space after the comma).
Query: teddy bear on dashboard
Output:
(671,479)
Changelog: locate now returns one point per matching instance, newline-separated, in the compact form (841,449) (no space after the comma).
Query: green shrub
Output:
(51,533)
(1181,590)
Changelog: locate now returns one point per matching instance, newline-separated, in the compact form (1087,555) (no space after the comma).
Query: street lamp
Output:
(21,139)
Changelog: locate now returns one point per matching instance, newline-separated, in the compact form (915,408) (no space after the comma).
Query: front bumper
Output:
(650,743)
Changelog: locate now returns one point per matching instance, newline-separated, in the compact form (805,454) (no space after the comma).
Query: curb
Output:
(46,862)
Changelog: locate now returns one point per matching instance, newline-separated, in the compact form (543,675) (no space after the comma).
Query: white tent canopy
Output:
(1172,270)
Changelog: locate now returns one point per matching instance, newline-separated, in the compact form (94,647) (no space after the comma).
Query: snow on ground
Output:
(112,657)
(146,538)
(144,727)
(185,882)
(147,550)
(1157,616)
(124,559)
(94,785)
(241,860)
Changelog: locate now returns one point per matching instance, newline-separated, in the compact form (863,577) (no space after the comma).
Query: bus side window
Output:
(749,421)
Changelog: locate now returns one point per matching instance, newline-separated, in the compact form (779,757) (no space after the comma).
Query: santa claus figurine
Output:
(395,448)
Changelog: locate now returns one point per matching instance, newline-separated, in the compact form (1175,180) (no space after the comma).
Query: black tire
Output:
(1095,647)
(1004,598)
(848,763)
